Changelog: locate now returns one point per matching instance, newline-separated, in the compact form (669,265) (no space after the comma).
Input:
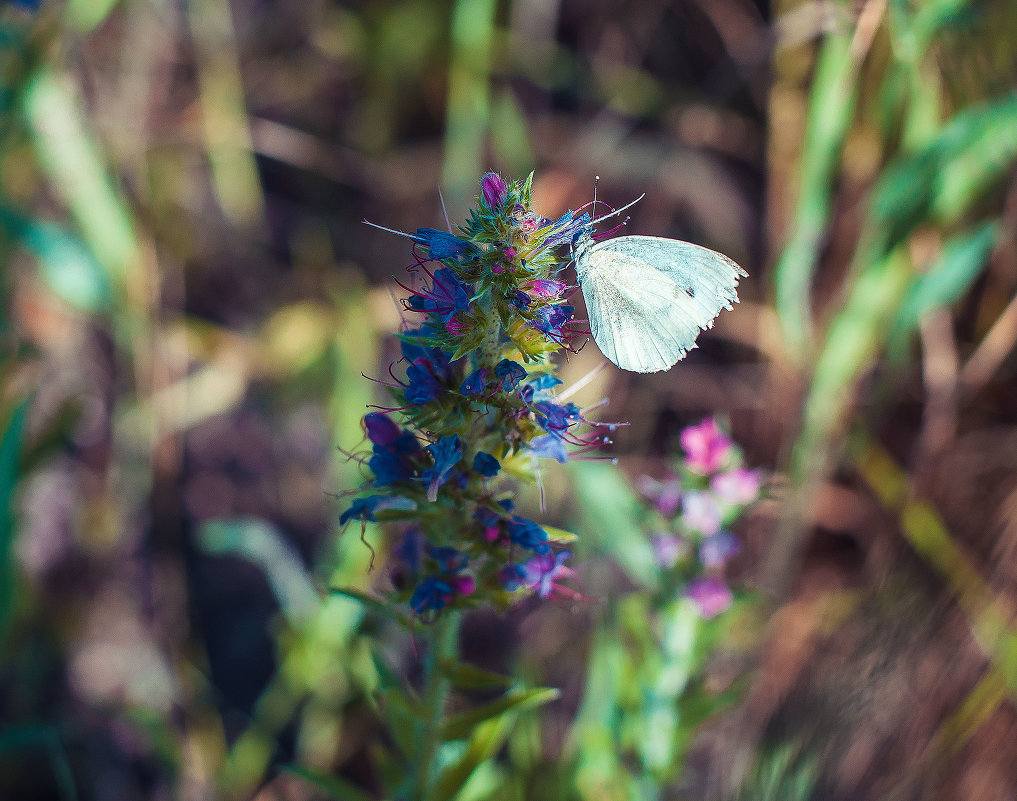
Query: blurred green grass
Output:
(190,300)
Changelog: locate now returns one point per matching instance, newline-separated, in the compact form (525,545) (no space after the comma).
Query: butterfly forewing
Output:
(649,297)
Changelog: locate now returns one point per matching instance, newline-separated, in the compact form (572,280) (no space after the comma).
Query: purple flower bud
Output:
(711,596)
(715,551)
(494,190)
(668,549)
(380,429)
(665,495)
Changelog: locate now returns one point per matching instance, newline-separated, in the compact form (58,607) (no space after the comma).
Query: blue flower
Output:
(550,319)
(429,370)
(424,386)
(528,534)
(410,548)
(432,593)
(512,577)
(449,559)
(550,446)
(538,389)
(566,229)
(538,573)
(555,418)
(510,373)
(441,245)
(394,450)
(474,383)
(364,508)
(519,299)
(486,464)
(447,453)
(446,296)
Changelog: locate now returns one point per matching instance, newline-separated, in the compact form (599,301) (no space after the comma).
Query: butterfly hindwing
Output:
(649,297)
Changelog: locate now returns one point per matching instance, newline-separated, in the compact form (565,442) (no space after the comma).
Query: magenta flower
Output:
(545,288)
(494,190)
(711,596)
(736,487)
(701,512)
(706,447)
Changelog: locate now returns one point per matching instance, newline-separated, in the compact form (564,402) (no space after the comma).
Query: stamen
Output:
(582,382)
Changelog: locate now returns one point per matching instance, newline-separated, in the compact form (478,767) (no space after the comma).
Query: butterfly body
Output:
(648,297)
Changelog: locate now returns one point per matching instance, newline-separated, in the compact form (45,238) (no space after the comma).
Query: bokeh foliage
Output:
(190,300)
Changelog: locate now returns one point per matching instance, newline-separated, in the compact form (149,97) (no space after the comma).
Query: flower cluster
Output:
(709,491)
(474,407)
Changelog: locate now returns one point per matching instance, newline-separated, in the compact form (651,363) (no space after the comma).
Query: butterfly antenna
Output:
(619,211)
(596,180)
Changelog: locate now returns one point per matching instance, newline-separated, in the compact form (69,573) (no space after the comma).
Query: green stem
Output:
(443,644)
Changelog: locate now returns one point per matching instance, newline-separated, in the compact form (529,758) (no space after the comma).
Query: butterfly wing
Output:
(649,297)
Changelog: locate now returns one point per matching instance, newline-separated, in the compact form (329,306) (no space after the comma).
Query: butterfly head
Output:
(587,236)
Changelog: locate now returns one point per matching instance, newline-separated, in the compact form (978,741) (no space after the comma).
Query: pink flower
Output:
(711,596)
(545,288)
(493,189)
(701,512)
(737,487)
(706,447)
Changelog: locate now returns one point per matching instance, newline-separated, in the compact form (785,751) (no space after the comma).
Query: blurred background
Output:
(190,298)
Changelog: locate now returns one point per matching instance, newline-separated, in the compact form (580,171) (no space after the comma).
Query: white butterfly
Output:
(649,297)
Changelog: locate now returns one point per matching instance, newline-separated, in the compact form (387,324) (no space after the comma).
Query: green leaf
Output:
(72,159)
(470,677)
(978,147)
(67,267)
(559,535)
(942,180)
(331,786)
(380,608)
(403,718)
(609,518)
(514,701)
(486,740)
(263,544)
(10,453)
(962,260)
